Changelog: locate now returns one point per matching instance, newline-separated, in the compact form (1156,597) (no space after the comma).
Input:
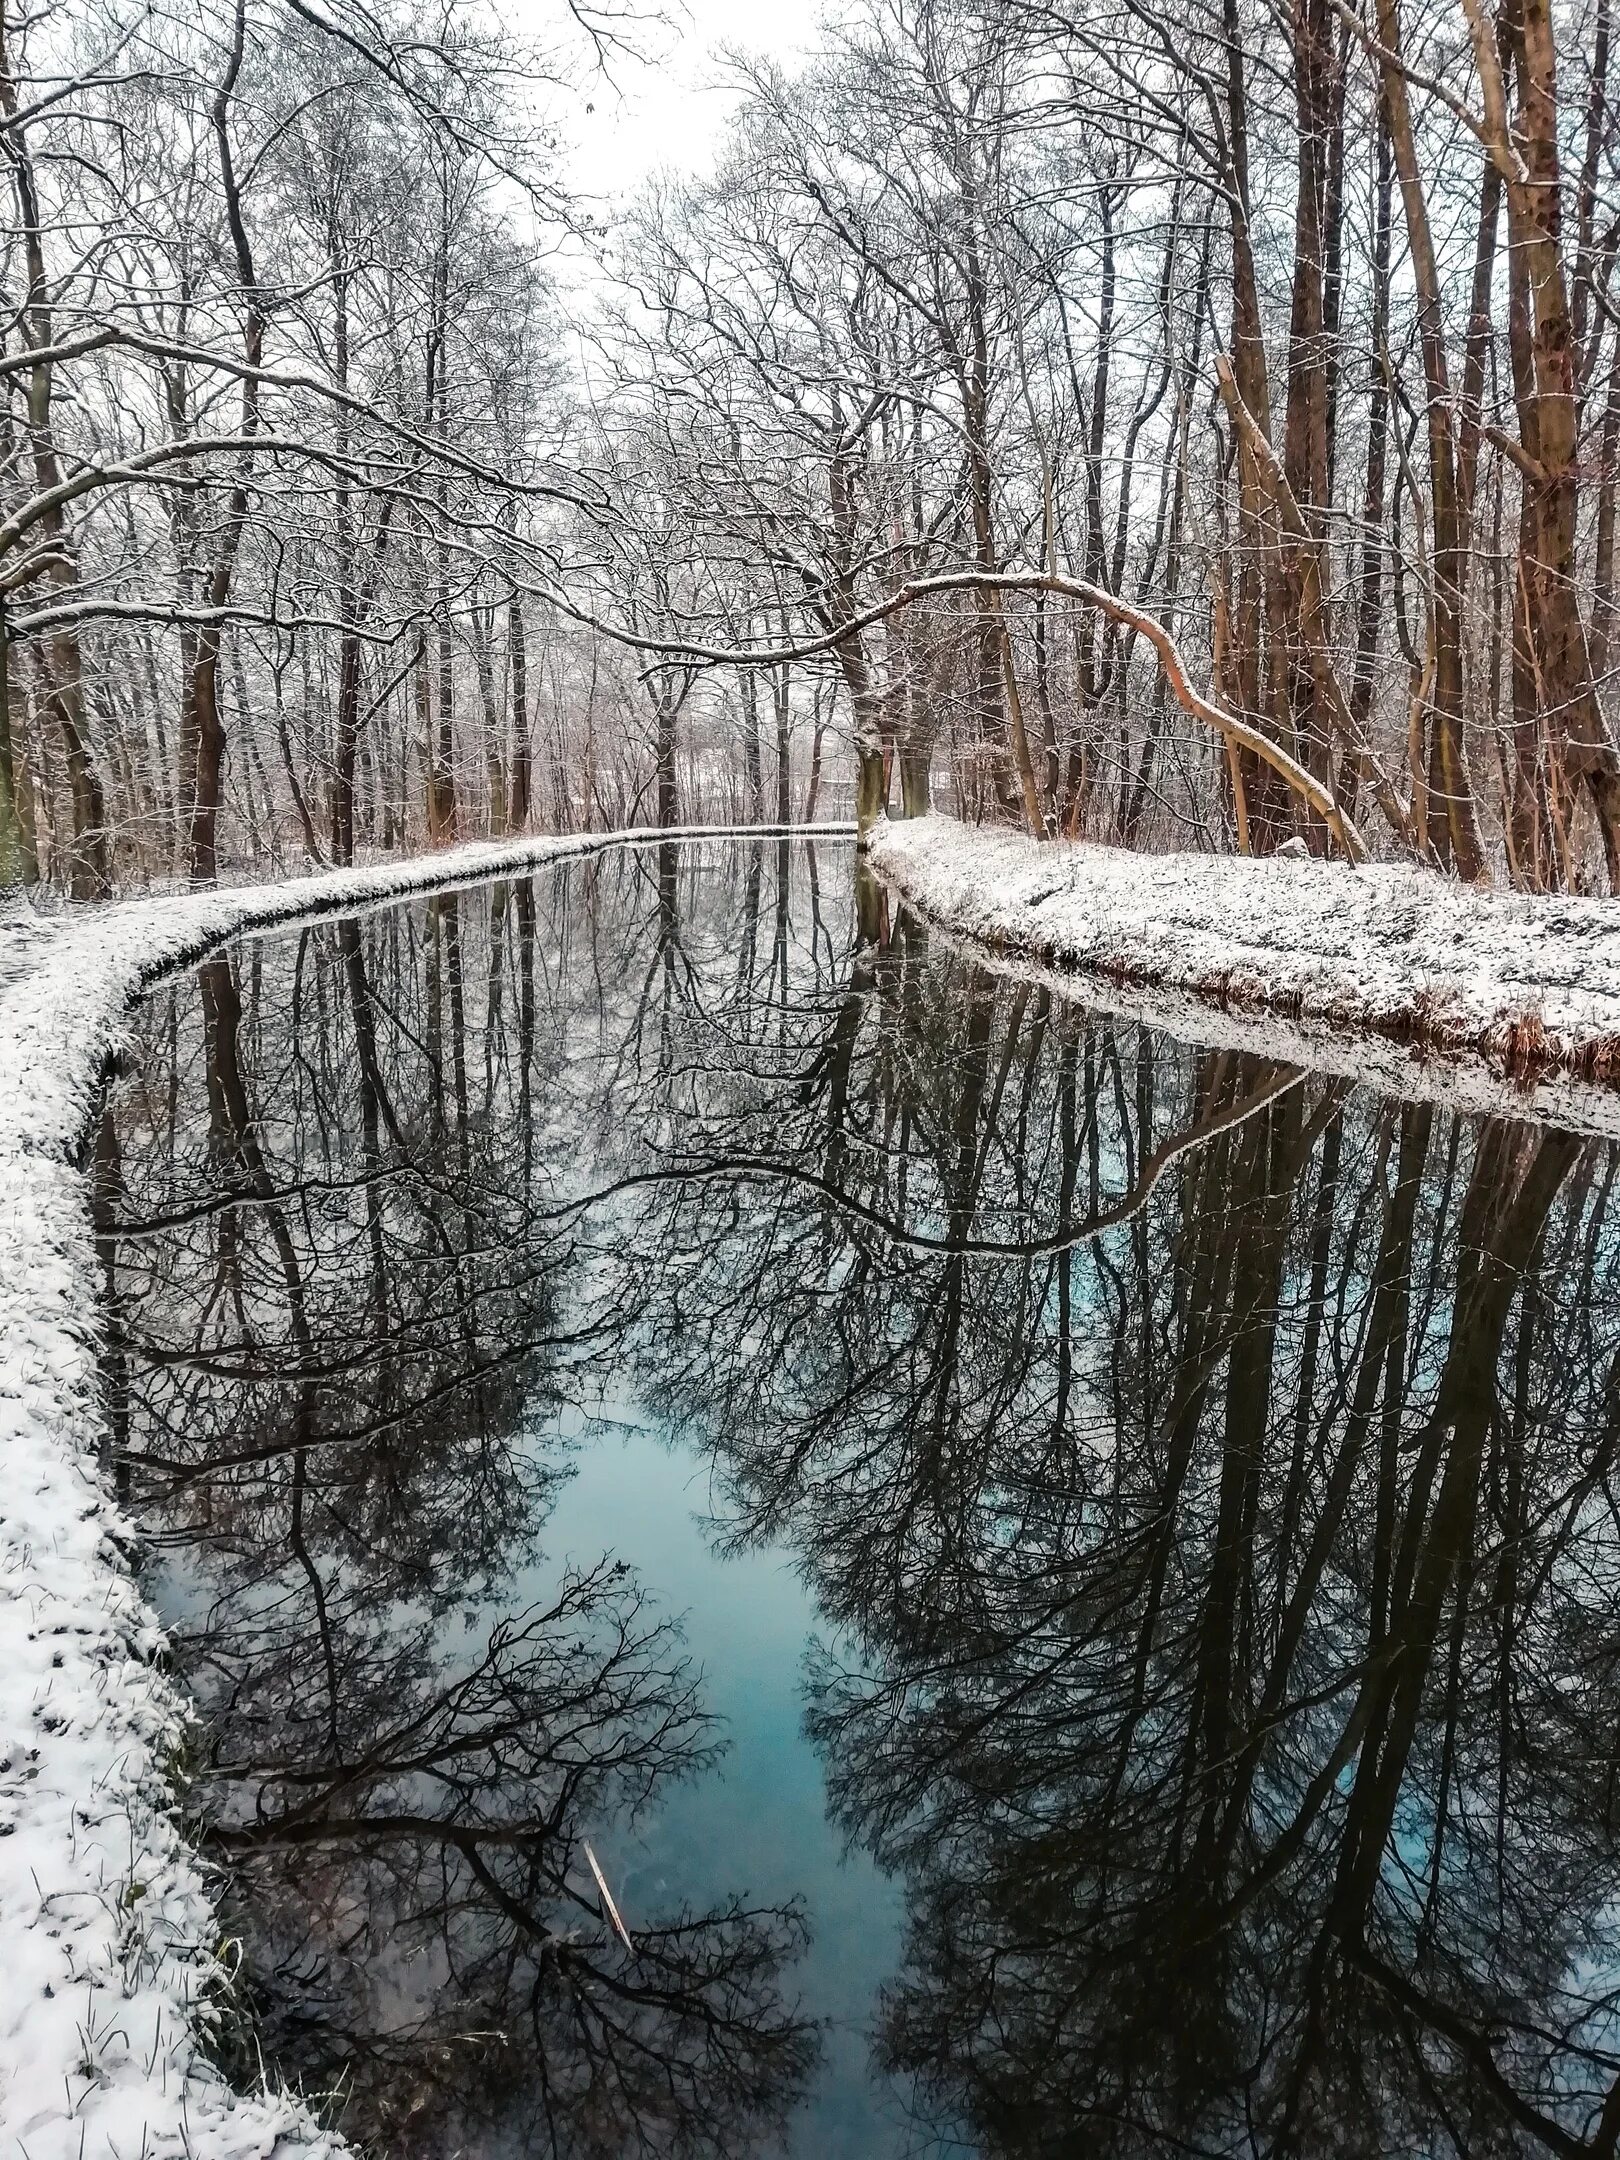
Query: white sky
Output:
(667,113)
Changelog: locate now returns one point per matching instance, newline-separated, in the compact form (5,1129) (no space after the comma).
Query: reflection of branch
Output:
(1476,2052)
(465,1377)
(757,1170)
(344,1829)
(270,1195)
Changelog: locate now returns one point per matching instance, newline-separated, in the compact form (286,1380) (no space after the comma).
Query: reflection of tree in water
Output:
(1215,1464)
(344,1281)
(1218,1467)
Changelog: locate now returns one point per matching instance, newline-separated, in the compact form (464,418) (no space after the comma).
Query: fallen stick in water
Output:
(607,1898)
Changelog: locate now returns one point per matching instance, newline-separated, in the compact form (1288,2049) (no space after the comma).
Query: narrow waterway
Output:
(1066,1580)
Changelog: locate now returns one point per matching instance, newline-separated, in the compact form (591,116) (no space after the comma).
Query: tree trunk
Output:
(1453,826)
(522,748)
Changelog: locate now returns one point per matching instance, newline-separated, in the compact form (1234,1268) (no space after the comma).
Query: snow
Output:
(112,1973)
(1496,1002)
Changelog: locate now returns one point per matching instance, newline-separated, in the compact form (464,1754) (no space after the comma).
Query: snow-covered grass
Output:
(112,1974)
(1493,1001)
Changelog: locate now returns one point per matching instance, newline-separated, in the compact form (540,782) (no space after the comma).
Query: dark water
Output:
(1071,1582)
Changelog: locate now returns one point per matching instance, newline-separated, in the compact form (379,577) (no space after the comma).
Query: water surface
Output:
(1067,1579)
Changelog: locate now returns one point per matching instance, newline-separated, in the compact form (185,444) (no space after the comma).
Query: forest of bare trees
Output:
(1184,423)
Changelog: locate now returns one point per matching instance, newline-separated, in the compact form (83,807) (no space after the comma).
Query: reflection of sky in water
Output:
(757,1824)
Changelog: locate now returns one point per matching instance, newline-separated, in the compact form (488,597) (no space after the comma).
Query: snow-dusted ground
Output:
(1492,1001)
(111,1970)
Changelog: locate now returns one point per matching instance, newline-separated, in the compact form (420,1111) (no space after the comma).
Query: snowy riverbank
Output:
(111,1969)
(1494,1001)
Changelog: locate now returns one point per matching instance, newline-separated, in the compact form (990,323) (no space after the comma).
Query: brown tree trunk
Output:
(1526,147)
(522,747)
(60,659)
(1453,824)
(1263,813)
(208,719)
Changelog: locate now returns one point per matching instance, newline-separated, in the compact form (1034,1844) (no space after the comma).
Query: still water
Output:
(1069,1582)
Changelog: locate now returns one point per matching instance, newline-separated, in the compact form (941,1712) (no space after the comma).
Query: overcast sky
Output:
(667,113)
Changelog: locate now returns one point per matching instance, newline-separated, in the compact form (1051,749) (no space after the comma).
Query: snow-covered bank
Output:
(111,1967)
(1492,1001)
